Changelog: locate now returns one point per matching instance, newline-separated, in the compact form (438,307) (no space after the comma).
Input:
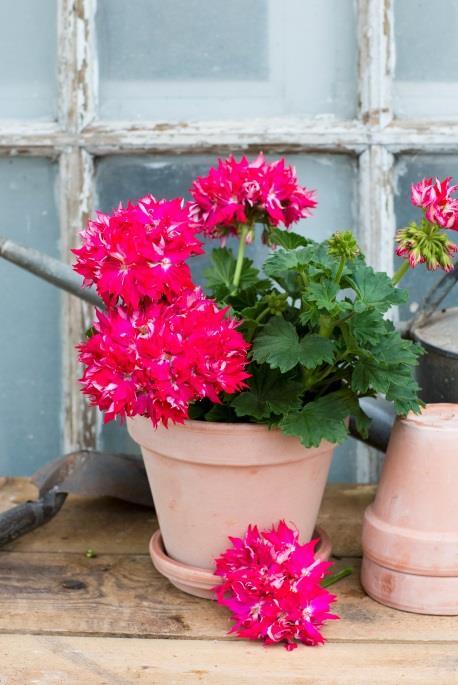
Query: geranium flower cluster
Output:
(272,586)
(161,344)
(237,193)
(427,243)
(435,198)
(139,251)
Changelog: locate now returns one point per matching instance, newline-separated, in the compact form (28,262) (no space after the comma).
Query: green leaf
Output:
(367,326)
(219,275)
(374,288)
(221,270)
(369,375)
(388,367)
(404,395)
(270,392)
(279,263)
(323,294)
(321,419)
(222,413)
(277,345)
(287,239)
(315,350)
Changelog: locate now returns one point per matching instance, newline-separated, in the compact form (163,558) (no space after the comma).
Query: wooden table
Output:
(68,619)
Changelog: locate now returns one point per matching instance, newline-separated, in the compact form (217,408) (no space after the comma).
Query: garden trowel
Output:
(94,474)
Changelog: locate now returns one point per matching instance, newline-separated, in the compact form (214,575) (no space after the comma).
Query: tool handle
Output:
(28,516)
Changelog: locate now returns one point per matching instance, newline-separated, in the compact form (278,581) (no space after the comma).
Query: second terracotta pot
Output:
(210,480)
(410,532)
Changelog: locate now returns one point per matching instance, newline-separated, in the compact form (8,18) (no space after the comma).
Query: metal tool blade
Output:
(96,474)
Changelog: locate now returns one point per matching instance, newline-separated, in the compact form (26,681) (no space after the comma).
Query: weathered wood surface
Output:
(65,617)
(44,660)
(114,527)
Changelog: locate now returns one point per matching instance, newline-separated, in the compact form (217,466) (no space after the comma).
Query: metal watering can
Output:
(434,328)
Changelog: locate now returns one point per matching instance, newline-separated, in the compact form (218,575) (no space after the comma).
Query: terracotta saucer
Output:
(199,581)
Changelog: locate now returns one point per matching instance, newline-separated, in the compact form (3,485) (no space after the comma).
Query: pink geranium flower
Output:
(243,192)
(435,198)
(158,360)
(139,251)
(271,585)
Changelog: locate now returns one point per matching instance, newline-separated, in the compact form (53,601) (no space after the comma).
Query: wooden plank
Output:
(341,516)
(123,595)
(43,660)
(84,523)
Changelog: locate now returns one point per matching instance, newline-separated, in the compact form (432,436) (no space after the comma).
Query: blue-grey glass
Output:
(28,58)
(411,169)
(426,81)
(30,359)
(334,177)
(212,59)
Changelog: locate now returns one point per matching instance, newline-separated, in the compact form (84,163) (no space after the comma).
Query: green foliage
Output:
(220,274)
(280,346)
(287,239)
(319,338)
(270,393)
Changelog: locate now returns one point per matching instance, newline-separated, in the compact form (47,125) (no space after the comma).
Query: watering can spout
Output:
(47,268)
(382,415)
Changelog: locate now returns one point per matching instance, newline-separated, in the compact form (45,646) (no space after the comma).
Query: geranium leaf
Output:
(321,419)
(277,345)
(367,326)
(219,275)
(287,239)
(323,294)
(315,350)
(270,392)
(374,288)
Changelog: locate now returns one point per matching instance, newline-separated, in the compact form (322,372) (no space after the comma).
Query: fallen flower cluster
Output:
(272,586)
(161,344)
(238,193)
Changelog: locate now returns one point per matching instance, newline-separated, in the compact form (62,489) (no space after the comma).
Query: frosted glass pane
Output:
(30,359)
(28,47)
(426,59)
(212,59)
(334,176)
(411,169)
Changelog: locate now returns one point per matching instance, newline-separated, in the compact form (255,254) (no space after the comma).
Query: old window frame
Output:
(374,138)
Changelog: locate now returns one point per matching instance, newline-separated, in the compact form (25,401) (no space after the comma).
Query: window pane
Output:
(212,59)
(334,176)
(28,47)
(426,59)
(411,169)
(30,365)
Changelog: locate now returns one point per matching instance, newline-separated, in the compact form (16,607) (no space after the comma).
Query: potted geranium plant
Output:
(239,392)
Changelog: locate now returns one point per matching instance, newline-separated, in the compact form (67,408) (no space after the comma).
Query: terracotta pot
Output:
(410,532)
(210,480)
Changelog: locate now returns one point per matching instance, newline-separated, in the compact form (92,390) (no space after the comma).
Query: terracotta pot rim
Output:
(442,416)
(201,578)
(253,445)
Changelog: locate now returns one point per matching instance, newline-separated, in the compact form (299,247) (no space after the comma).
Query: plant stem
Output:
(400,273)
(240,257)
(330,580)
(340,269)
(264,313)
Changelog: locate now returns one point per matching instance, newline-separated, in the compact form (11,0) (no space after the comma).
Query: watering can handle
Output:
(436,295)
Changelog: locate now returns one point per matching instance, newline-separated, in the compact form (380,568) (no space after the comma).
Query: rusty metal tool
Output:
(94,474)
